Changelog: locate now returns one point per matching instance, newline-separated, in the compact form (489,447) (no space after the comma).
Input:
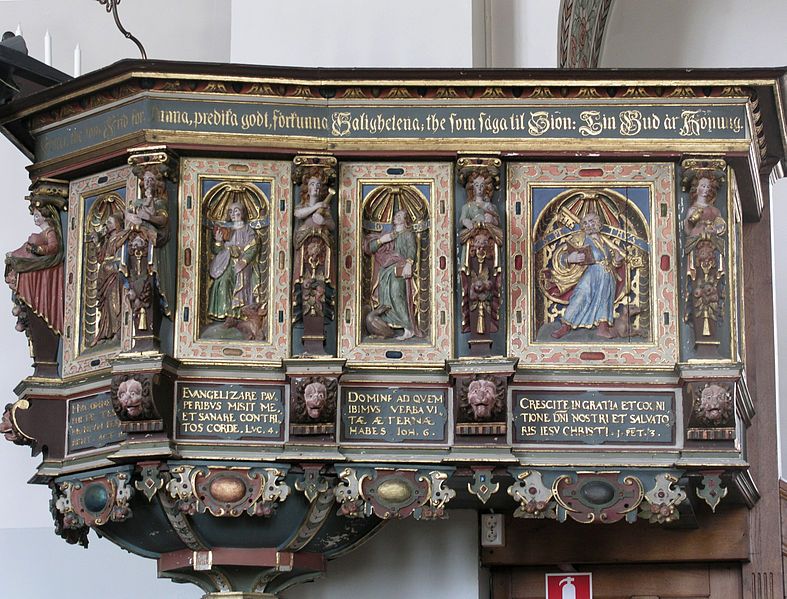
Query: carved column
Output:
(481,243)
(34,272)
(148,254)
(314,248)
(704,232)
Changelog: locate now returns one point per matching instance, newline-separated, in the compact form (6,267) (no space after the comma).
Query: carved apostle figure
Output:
(235,270)
(394,287)
(592,300)
(109,241)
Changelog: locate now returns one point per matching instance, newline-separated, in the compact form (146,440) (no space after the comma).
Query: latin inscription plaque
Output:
(92,423)
(392,415)
(593,417)
(229,412)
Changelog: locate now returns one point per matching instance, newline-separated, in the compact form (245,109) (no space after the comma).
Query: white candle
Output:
(77,61)
(48,48)
(18,29)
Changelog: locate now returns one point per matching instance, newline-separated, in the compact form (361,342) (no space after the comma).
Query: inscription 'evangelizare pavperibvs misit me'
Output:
(391,415)
(592,417)
(214,411)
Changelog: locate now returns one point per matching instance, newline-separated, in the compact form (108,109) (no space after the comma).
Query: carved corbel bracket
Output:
(482,485)
(535,499)
(660,505)
(711,489)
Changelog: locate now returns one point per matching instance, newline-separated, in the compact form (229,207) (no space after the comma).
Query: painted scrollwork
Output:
(481,238)
(236,245)
(313,484)
(68,525)
(227,492)
(181,489)
(592,267)
(314,399)
(482,485)
(600,497)
(348,494)
(393,494)
(314,248)
(94,501)
(705,242)
(396,266)
(661,503)
(439,495)
(534,497)
(711,490)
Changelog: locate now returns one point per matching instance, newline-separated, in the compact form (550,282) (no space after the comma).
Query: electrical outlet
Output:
(492,530)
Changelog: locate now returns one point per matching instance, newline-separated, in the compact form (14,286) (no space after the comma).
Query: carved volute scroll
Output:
(314,248)
(481,241)
(704,231)
(34,272)
(147,256)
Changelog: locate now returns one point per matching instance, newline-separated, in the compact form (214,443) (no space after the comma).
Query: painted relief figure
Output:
(149,212)
(591,264)
(313,248)
(396,270)
(105,236)
(34,271)
(237,234)
(705,240)
(481,238)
